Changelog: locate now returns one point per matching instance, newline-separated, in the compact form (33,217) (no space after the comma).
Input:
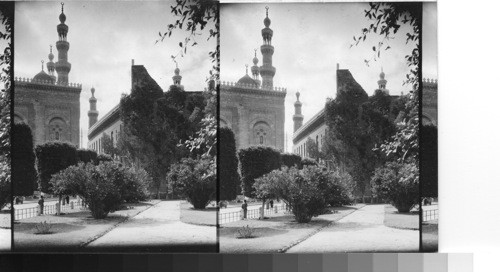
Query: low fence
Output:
(429,215)
(252,213)
(73,206)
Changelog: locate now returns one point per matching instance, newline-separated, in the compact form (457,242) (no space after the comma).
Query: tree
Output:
(195,179)
(108,145)
(86,155)
(255,162)
(51,158)
(195,17)
(155,124)
(7,19)
(429,157)
(23,161)
(229,179)
(399,183)
(312,149)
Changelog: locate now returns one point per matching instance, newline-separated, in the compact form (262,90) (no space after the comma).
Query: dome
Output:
(247,80)
(42,76)
(255,60)
(177,71)
(267,22)
(382,75)
(62,18)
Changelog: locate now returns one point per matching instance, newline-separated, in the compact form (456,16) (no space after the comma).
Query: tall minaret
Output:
(62,65)
(267,70)
(177,77)
(51,65)
(382,82)
(297,117)
(93,113)
(255,68)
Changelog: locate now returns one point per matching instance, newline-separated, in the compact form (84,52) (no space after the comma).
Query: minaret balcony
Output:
(63,66)
(267,49)
(267,71)
(62,45)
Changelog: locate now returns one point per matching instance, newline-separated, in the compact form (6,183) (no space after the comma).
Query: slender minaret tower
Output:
(255,68)
(177,77)
(93,113)
(62,65)
(51,65)
(267,71)
(297,117)
(382,82)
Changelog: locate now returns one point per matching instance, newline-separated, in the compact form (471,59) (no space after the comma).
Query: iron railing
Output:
(430,215)
(48,209)
(252,213)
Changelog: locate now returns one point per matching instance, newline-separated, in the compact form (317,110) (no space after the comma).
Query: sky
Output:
(309,40)
(104,37)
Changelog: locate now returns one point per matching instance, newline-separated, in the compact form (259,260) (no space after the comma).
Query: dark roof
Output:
(42,76)
(247,80)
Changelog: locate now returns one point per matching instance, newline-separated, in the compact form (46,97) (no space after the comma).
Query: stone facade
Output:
(50,105)
(253,108)
(429,102)
(52,111)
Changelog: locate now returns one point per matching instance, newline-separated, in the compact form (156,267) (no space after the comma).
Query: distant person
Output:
(272,203)
(67,199)
(40,202)
(244,206)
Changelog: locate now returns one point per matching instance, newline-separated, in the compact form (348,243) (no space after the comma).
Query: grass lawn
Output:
(276,233)
(430,236)
(207,217)
(71,231)
(397,220)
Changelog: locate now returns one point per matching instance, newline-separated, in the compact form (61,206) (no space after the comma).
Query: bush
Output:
(43,228)
(229,179)
(338,192)
(86,155)
(195,179)
(304,190)
(103,187)
(399,183)
(245,232)
(103,158)
(51,158)
(22,160)
(291,160)
(255,162)
(307,162)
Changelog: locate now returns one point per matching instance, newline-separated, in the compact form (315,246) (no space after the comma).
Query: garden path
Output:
(361,231)
(158,228)
(5,239)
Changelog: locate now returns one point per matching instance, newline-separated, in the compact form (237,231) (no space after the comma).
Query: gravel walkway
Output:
(158,229)
(361,231)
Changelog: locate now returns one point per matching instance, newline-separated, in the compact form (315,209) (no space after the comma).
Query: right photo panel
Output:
(319,138)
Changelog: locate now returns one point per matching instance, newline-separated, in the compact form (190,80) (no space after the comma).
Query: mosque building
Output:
(253,107)
(50,104)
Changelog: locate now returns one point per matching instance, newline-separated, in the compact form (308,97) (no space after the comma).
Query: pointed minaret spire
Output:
(382,82)
(62,65)
(267,71)
(42,64)
(246,69)
(255,68)
(177,77)
(297,117)
(93,113)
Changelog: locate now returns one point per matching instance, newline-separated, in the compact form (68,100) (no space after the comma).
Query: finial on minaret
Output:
(92,113)
(297,94)
(246,67)
(338,66)
(382,82)
(298,118)
(42,64)
(62,7)
(92,90)
(267,11)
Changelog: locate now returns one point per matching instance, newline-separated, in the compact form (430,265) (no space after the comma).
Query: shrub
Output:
(43,228)
(245,232)
(103,187)
(308,162)
(399,183)
(229,179)
(51,158)
(103,158)
(22,160)
(86,155)
(255,162)
(338,192)
(304,190)
(291,160)
(195,179)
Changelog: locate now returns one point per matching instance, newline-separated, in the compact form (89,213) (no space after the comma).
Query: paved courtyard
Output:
(361,231)
(158,229)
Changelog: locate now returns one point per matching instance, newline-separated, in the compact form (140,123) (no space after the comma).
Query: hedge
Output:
(86,155)
(291,160)
(22,160)
(229,178)
(51,158)
(255,162)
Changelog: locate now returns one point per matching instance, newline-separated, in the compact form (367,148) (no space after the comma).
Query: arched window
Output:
(57,129)
(261,133)
(57,136)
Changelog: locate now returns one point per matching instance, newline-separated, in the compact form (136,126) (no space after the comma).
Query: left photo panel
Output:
(6,20)
(114,127)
